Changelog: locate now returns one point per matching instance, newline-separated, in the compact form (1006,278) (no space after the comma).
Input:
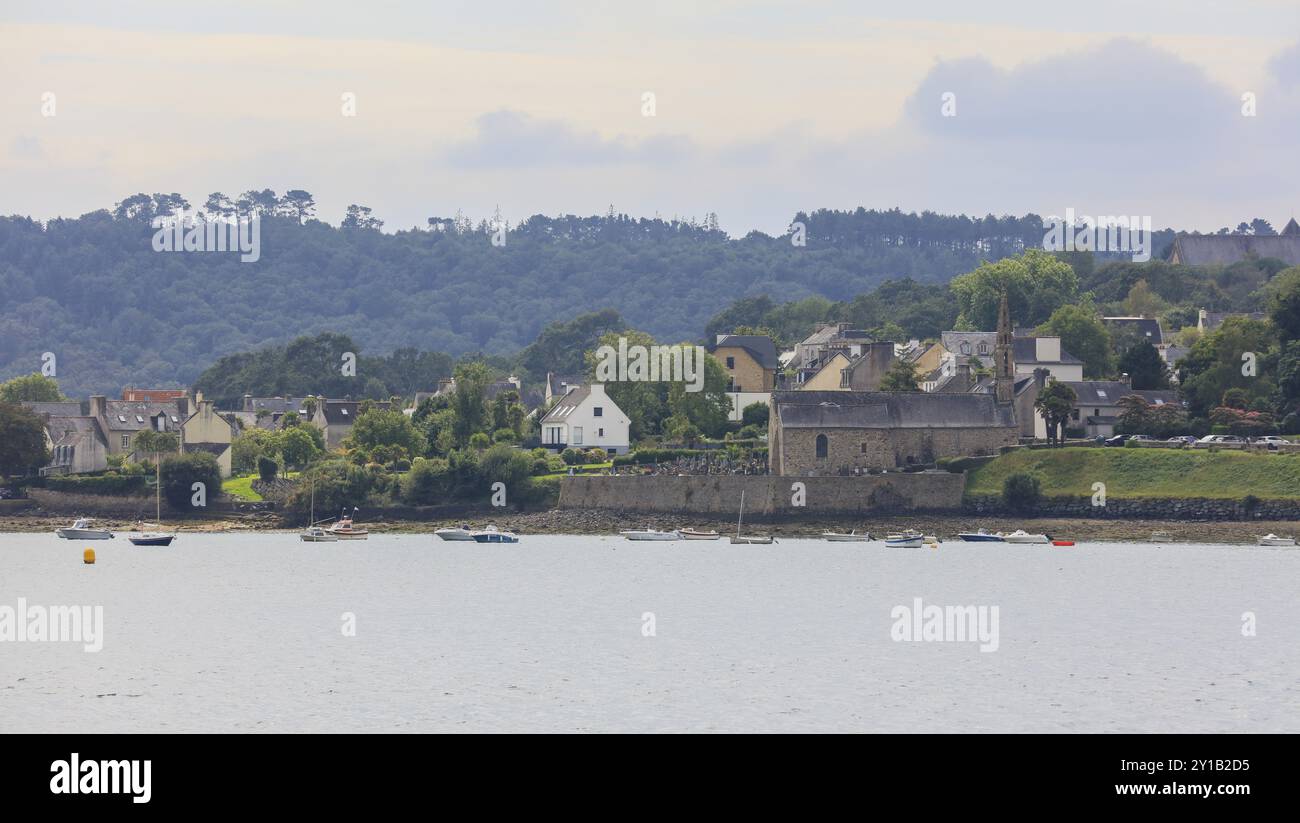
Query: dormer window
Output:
(965,348)
(984,348)
(1101,393)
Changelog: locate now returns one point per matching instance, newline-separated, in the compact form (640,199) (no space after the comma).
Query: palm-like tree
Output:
(1055,403)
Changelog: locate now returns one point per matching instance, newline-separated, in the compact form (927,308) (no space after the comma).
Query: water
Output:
(243,632)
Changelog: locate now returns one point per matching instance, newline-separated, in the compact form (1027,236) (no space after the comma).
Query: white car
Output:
(1272,438)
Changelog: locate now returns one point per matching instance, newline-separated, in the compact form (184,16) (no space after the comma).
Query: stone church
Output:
(838,432)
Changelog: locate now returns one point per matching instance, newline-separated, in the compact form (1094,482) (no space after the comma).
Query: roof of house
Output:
(890,410)
(759,346)
(67,430)
(1109,392)
(986,385)
(1214,319)
(1146,327)
(1025,350)
(561,383)
(1175,353)
(274,405)
(214,449)
(567,404)
(128,416)
(339,412)
(1225,249)
(62,408)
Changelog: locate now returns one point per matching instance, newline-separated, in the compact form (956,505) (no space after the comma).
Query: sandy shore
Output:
(557,521)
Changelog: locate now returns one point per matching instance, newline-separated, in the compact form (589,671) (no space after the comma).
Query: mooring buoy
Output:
(88,557)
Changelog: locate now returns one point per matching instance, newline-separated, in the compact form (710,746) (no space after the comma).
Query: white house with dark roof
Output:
(335,418)
(1097,409)
(587,418)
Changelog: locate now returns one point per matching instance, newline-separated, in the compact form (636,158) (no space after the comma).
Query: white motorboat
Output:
(461,532)
(1022,536)
(905,540)
(492,534)
(82,530)
(695,534)
(649,534)
(850,537)
(345,530)
(1271,539)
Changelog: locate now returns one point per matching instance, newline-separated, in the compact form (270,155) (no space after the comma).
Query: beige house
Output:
(208,431)
(196,424)
(750,360)
(830,376)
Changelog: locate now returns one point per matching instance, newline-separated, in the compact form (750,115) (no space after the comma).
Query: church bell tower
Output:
(1004,355)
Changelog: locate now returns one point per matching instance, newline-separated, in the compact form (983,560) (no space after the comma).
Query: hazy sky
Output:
(761,108)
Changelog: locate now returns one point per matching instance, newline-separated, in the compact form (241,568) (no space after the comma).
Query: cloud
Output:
(1285,67)
(513,139)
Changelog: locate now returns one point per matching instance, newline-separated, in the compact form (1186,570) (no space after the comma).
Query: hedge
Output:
(118,485)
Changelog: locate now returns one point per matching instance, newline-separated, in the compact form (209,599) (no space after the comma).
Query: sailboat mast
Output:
(742,512)
(157,499)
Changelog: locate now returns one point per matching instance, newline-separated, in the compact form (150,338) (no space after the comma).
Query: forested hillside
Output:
(114,312)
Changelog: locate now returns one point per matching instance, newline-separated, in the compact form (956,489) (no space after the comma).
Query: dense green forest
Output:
(92,291)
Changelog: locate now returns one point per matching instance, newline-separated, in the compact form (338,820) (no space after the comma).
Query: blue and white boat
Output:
(905,540)
(492,534)
(980,536)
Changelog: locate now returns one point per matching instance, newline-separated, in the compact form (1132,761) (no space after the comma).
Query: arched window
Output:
(821,447)
(965,348)
(984,348)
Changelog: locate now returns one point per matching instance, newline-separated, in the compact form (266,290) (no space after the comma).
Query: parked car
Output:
(1118,440)
(1221,438)
(1182,438)
(1145,438)
(1273,440)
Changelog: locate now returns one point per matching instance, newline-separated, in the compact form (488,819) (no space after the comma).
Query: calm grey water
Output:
(244,632)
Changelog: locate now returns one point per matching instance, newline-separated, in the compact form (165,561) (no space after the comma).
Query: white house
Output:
(586,418)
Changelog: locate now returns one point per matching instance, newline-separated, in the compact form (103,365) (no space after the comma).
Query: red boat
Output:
(1062,542)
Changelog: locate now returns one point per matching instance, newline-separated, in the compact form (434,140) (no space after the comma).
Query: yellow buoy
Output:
(88,557)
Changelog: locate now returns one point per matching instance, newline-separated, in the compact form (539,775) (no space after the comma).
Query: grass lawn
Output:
(588,468)
(241,487)
(1146,473)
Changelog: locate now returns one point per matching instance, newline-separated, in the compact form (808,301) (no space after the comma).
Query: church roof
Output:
(1226,249)
(890,410)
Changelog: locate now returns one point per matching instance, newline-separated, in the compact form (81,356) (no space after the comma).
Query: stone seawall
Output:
(766,496)
(1148,508)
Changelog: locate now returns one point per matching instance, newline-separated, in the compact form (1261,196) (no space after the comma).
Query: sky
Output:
(1187,112)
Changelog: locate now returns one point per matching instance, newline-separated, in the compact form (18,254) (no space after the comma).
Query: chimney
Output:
(597,389)
(183,406)
(1126,379)
(248,402)
(1040,377)
(98,405)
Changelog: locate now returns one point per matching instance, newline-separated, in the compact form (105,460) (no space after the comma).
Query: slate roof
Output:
(274,405)
(559,381)
(1089,393)
(1025,350)
(759,346)
(129,416)
(1147,328)
(567,404)
(65,408)
(68,430)
(1225,249)
(890,410)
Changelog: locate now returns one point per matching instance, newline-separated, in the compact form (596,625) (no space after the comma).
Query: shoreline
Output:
(579,522)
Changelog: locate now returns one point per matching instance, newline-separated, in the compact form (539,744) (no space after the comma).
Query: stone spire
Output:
(1004,355)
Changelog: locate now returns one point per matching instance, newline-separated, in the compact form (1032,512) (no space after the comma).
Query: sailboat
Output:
(160,537)
(314,533)
(754,539)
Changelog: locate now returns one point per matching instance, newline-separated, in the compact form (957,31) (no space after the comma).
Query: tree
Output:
(708,409)
(1145,367)
(1021,492)
(386,428)
(1142,302)
(1284,303)
(470,401)
(179,473)
(1240,354)
(33,387)
(1036,283)
(22,440)
(1083,335)
(755,414)
(297,204)
(1135,414)
(297,447)
(1055,404)
(359,217)
(901,376)
(150,442)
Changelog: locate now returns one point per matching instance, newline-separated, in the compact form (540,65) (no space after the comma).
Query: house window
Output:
(1096,412)
(126,441)
(864,448)
(821,447)
(597,411)
(1101,393)
(600,432)
(577,435)
(1075,414)
(731,362)
(965,348)
(984,348)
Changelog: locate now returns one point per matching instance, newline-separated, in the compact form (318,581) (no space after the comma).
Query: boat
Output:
(492,534)
(1062,542)
(841,537)
(1271,539)
(344,528)
(154,538)
(314,533)
(82,530)
(980,536)
(693,534)
(931,540)
(1021,536)
(905,540)
(649,534)
(1161,537)
(461,532)
(748,539)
